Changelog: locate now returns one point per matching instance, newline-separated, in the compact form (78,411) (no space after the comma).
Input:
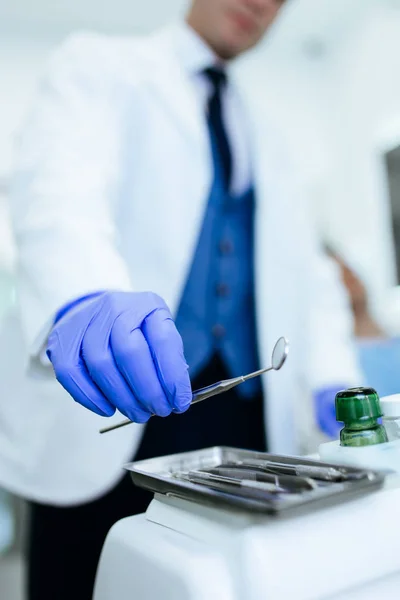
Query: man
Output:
(135,200)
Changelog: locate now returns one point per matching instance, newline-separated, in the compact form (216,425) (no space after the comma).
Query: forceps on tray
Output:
(279,355)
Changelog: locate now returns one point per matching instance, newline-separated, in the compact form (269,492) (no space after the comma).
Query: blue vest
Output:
(217,309)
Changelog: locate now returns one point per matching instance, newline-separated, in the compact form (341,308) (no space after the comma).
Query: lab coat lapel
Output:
(275,270)
(172,84)
(171,87)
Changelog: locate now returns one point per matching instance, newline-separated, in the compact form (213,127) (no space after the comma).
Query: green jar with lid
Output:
(359,409)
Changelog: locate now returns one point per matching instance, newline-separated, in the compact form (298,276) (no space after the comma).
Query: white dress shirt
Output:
(196,56)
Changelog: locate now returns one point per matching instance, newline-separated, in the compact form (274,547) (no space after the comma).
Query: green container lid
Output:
(355,404)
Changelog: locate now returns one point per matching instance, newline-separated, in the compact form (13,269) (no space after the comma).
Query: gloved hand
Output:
(324,403)
(121,350)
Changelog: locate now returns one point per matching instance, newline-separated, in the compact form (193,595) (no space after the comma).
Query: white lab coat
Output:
(112,182)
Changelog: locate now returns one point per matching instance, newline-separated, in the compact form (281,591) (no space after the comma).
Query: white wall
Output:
(122,16)
(365,92)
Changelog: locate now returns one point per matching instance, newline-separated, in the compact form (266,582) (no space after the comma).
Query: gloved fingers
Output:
(101,365)
(166,349)
(134,360)
(75,379)
(329,426)
(327,419)
(325,410)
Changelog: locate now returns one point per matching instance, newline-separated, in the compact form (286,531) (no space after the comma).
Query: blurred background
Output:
(330,83)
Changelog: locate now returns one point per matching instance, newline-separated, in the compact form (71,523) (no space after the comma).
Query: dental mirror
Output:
(279,355)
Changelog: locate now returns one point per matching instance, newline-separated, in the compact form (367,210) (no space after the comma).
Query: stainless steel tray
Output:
(168,475)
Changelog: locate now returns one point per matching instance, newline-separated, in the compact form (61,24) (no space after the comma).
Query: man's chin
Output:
(232,49)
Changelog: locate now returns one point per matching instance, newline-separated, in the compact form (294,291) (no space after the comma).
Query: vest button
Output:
(218,331)
(226,247)
(222,289)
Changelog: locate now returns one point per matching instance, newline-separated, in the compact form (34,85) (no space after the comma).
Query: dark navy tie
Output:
(218,79)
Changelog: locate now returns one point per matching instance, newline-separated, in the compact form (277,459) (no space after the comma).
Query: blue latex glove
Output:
(325,412)
(380,363)
(121,350)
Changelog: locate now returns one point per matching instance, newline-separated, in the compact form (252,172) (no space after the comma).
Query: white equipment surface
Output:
(180,550)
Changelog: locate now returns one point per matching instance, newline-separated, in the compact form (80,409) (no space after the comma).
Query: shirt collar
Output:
(194,53)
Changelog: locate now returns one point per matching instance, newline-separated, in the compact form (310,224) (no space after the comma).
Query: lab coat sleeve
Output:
(332,352)
(65,188)
(330,359)
(330,356)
